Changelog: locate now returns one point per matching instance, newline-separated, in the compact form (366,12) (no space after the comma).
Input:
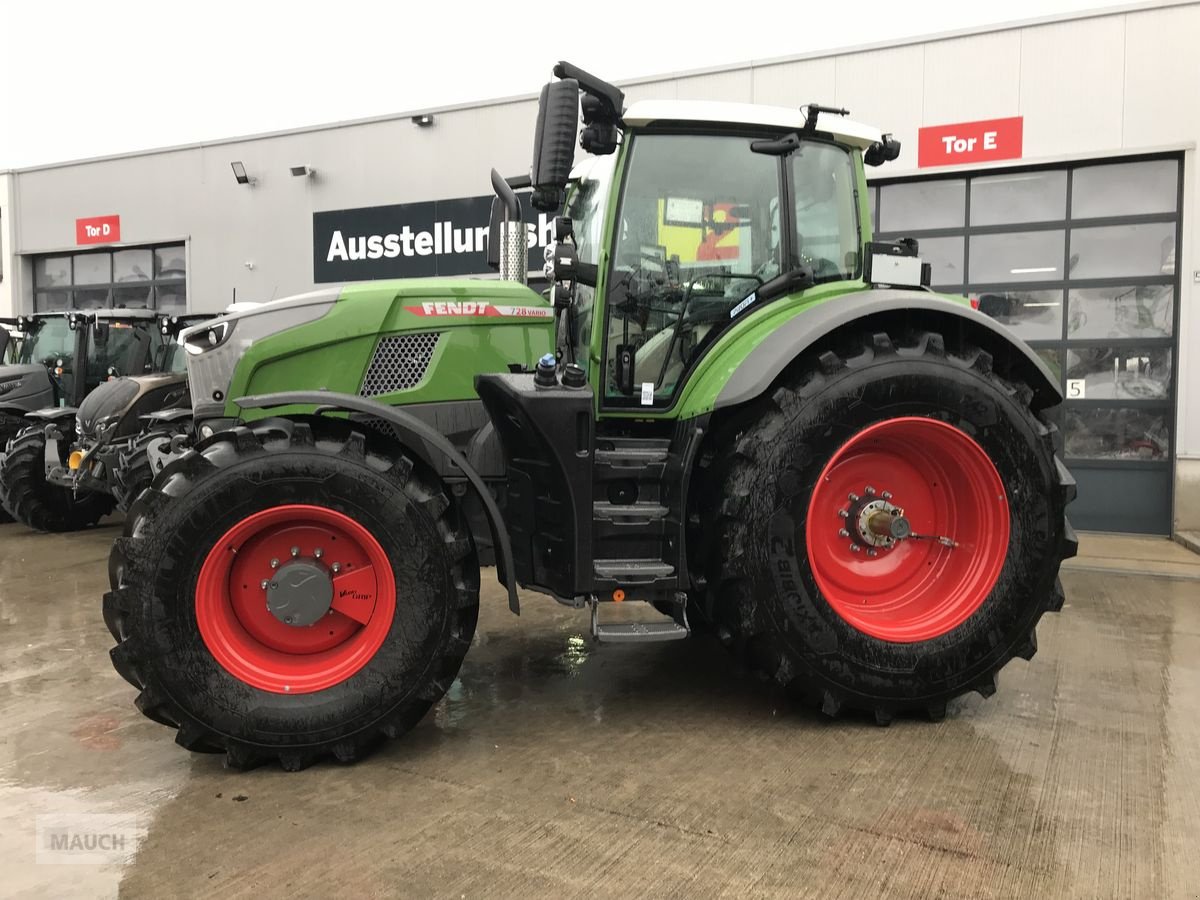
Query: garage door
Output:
(1080,261)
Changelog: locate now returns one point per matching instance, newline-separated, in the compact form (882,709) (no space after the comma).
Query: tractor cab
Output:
(688,216)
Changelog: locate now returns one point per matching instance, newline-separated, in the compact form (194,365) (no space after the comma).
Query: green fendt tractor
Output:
(734,408)
(91,385)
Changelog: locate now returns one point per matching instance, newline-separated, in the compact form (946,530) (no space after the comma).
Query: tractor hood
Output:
(113,408)
(372,338)
(25,387)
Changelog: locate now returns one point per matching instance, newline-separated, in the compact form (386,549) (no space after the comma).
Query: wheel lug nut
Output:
(295,551)
(318,553)
(336,568)
(854,548)
(869,491)
(843,513)
(274,564)
(265,584)
(872,552)
(853,497)
(842,532)
(886,495)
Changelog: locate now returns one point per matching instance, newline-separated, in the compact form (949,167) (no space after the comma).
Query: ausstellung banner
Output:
(407,240)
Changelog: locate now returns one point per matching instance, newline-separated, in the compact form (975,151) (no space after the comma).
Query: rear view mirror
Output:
(554,143)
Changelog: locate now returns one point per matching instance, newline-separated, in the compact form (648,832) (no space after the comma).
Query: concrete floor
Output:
(555,768)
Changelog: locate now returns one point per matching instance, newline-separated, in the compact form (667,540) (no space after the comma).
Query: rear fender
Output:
(422,440)
(885,310)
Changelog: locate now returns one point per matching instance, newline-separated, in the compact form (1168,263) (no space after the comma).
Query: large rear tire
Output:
(194,627)
(850,621)
(30,499)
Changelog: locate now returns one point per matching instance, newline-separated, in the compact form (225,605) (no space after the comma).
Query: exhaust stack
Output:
(507,250)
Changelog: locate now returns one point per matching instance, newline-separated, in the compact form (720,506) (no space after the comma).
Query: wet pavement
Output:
(556,768)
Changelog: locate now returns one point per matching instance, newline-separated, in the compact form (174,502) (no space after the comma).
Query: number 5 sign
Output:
(1076,389)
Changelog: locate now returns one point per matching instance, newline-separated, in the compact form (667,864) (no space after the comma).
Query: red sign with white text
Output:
(970,142)
(98,230)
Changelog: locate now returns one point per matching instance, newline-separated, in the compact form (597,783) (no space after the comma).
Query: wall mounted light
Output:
(423,121)
(303,171)
(239,172)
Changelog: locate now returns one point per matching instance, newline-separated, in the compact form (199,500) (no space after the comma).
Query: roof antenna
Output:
(812,110)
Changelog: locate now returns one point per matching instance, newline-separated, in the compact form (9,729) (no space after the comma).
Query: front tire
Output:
(33,501)
(196,637)
(851,623)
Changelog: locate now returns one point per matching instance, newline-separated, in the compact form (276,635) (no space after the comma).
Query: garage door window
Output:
(134,278)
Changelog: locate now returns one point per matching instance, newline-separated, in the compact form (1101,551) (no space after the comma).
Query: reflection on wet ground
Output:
(554,767)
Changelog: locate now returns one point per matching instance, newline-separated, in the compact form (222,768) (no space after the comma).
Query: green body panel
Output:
(486,325)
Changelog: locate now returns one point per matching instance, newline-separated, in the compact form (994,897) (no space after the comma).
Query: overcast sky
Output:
(81,79)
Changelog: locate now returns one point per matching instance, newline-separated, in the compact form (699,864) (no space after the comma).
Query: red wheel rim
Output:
(946,486)
(254,646)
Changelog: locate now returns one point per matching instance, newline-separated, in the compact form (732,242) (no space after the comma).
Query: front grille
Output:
(400,362)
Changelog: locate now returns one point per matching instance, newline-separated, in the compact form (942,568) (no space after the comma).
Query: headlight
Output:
(208,338)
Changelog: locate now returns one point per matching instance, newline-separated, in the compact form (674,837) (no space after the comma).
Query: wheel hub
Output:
(873,523)
(300,592)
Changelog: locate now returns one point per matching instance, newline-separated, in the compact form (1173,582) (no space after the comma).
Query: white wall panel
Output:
(1071,86)
(732,87)
(972,78)
(796,83)
(883,88)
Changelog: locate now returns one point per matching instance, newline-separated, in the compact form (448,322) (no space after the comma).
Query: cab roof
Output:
(783,118)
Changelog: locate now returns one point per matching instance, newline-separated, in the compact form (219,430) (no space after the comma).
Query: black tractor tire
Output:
(763,595)
(31,500)
(152,609)
(10,426)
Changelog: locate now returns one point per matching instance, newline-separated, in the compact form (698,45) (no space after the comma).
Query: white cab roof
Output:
(845,130)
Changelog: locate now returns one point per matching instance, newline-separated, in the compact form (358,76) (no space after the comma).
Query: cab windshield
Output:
(48,341)
(699,231)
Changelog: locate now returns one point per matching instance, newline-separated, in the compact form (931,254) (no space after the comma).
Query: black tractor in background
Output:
(93,385)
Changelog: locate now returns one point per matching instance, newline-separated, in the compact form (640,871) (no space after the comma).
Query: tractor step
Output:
(668,629)
(633,571)
(626,457)
(628,512)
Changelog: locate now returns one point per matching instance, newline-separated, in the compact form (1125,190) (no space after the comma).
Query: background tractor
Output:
(734,408)
(68,465)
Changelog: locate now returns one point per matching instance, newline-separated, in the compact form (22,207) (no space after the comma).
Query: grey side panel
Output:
(760,369)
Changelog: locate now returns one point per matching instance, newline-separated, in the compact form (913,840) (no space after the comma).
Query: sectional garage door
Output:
(1080,261)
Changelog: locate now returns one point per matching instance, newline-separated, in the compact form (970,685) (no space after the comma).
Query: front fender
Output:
(758,366)
(52,414)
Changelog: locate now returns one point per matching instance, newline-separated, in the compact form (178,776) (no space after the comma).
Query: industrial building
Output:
(1048,171)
